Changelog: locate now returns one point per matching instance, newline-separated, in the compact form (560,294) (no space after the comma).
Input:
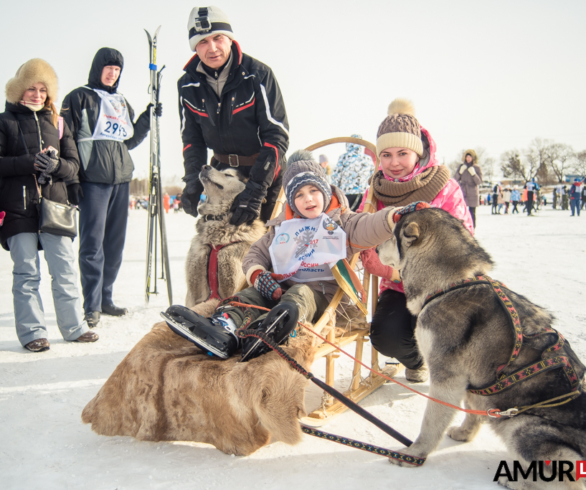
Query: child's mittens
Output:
(472,171)
(266,285)
(373,265)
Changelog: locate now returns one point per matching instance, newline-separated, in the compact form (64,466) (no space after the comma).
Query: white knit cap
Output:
(207,21)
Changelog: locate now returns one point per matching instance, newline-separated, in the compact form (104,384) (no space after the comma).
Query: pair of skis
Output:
(156,213)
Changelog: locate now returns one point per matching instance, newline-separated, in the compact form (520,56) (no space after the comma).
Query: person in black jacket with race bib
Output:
(37,152)
(101,121)
(232,104)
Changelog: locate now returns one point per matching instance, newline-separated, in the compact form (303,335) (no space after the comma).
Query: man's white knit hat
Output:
(207,21)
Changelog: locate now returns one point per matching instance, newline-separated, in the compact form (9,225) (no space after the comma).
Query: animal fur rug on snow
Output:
(166,389)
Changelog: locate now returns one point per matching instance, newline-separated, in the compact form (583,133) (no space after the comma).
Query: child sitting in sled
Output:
(306,246)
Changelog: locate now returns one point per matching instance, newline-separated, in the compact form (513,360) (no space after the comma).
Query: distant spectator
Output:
(565,200)
(507,198)
(323,161)
(576,195)
(353,172)
(496,194)
(469,176)
(166,202)
(532,188)
(501,202)
(515,198)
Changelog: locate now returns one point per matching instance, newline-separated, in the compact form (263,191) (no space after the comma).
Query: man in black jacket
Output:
(232,104)
(101,121)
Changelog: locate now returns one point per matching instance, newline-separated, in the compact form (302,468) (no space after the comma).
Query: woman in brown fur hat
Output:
(37,151)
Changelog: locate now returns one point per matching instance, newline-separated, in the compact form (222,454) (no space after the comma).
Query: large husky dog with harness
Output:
(213,268)
(487,346)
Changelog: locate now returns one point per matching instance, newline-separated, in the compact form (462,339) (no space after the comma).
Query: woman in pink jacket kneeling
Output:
(409,172)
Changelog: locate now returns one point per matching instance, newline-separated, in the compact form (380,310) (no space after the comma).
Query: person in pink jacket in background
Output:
(409,172)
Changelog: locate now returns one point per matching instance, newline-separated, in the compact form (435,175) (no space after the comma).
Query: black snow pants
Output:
(392,331)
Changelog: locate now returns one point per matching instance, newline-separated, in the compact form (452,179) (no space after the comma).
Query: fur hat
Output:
(400,129)
(302,170)
(207,21)
(472,153)
(33,71)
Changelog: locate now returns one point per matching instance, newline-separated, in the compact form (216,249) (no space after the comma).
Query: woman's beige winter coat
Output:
(468,182)
(363,231)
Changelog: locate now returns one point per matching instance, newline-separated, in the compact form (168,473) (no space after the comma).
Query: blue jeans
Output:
(575,206)
(103,214)
(26,273)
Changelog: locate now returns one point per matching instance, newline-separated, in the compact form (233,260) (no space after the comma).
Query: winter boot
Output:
(216,335)
(92,318)
(419,375)
(277,325)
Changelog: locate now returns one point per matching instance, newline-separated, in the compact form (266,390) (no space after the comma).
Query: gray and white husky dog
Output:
(465,337)
(215,233)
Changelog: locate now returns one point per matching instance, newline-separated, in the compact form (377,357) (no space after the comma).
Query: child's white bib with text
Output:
(303,250)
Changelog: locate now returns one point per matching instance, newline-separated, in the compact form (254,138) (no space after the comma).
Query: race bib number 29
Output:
(114,129)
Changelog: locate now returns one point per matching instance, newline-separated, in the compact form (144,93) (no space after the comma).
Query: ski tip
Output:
(157,31)
(149,37)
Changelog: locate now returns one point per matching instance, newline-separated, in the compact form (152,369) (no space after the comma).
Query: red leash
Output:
(493,412)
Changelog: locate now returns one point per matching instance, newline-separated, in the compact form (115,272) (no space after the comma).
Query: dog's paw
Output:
(406,460)
(400,462)
(460,434)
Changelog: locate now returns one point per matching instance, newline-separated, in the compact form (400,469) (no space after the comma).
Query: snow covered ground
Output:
(43,443)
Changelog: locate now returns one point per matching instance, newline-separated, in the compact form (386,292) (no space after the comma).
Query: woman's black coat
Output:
(23,134)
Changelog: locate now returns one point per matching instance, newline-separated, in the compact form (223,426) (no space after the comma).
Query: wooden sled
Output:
(359,388)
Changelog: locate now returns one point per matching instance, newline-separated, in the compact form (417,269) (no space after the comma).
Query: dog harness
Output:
(213,269)
(504,381)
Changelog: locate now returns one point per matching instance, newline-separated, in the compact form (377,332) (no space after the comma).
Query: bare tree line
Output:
(544,159)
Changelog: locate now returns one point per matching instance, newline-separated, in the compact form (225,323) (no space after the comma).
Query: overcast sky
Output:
(491,74)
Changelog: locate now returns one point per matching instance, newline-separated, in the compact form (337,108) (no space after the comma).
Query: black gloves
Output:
(191,195)
(158,108)
(47,162)
(74,192)
(246,206)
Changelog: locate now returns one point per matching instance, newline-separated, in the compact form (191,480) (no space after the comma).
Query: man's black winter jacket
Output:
(248,118)
(102,161)
(18,191)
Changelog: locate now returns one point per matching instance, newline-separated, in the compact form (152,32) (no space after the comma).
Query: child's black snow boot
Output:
(278,324)
(216,335)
